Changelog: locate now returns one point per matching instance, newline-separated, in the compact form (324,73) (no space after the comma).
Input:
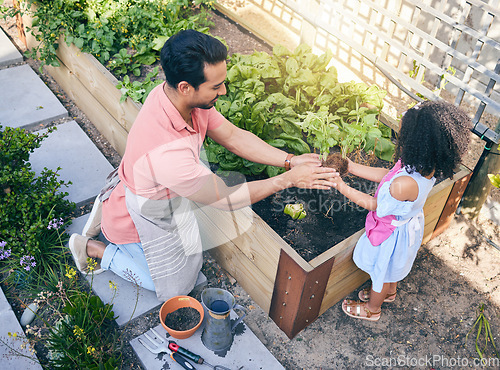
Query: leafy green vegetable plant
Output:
(138,90)
(293,100)
(295,211)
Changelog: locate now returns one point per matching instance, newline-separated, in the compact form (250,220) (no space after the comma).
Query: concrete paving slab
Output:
(246,352)
(8,52)
(80,160)
(130,300)
(10,324)
(27,102)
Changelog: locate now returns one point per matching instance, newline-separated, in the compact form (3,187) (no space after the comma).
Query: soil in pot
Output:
(183,318)
(335,160)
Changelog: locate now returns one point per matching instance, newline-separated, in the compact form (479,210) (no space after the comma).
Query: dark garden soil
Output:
(183,318)
(331,217)
(436,305)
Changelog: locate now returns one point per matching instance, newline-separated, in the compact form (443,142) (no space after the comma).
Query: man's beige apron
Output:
(170,238)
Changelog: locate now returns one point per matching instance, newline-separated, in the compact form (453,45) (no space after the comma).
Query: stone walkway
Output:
(29,103)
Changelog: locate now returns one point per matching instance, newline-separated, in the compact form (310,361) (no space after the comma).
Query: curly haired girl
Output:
(432,139)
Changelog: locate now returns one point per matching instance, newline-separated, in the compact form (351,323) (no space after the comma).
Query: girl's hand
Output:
(311,159)
(349,165)
(310,176)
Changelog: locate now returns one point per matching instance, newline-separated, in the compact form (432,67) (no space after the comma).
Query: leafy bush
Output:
(77,328)
(33,207)
(138,90)
(84,337)
(103,27)
(74,327)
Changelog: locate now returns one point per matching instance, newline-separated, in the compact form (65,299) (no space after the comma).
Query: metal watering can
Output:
(218,332)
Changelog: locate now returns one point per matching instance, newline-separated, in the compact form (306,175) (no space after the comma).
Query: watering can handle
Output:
(240,319)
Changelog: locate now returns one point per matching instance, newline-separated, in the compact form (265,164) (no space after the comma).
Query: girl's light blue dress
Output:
(392,260)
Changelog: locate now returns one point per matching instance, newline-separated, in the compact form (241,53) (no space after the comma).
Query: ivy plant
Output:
(104,27)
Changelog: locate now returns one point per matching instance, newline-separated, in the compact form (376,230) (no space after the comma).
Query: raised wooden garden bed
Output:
(293,292)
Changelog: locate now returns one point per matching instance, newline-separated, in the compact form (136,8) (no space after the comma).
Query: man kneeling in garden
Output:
(146,202)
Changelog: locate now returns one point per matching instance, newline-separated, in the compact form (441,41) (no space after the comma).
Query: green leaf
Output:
(277,143)
(302,49)
(223,106)
(272,171)
(386,130)
(292,67)
(296,144)
(323,61)
(382,147)
(159,41)
(79,43)
(281,51)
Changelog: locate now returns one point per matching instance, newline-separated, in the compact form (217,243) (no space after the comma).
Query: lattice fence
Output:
(421,46)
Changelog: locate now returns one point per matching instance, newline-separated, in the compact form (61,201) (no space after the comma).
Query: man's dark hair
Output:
(184,56)
(433,137)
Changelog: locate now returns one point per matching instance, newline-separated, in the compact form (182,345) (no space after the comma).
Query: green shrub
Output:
(33,208)
(85,336)
(74,328)
(103,27)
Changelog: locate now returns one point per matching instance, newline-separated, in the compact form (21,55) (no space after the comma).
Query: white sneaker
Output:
(93,226)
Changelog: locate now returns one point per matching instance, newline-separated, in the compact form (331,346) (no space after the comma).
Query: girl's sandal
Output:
(356,309)
(364,296)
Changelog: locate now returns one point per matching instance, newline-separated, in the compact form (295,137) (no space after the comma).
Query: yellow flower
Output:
(77,332)
(112,285)
(90,350)
(70,272)
(92,264)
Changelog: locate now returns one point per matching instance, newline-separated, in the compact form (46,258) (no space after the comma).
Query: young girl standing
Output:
(432,139)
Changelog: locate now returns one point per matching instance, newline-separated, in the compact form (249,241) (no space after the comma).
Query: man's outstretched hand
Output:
(311,176)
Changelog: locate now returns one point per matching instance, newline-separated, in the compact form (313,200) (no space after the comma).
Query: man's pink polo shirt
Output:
(161,160)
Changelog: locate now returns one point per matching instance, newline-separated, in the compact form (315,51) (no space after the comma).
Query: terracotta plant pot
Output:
(174,304)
